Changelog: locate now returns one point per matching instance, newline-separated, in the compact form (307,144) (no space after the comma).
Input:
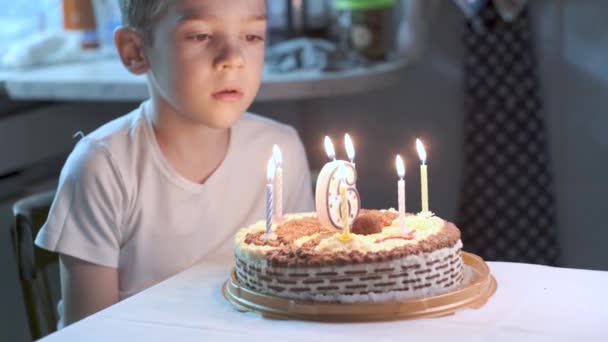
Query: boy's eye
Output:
(253,38)
(201,37)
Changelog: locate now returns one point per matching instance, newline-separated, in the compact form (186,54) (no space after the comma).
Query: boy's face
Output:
(206,58)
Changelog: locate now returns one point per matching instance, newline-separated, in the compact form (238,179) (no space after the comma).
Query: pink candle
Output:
(278,183)
(401,191)
(270,171)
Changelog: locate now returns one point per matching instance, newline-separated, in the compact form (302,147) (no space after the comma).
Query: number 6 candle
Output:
(424,183)
(332,190)
(343,199)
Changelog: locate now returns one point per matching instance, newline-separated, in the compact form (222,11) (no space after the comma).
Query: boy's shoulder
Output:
(116,130)
(101,147)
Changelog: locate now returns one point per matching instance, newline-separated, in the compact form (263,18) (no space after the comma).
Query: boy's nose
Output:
(230,57)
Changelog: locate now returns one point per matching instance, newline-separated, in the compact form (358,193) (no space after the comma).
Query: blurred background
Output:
(386,72)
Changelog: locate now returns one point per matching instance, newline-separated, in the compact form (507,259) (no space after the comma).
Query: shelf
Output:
(108,80)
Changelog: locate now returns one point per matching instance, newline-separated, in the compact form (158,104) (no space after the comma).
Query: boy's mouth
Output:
(228,94)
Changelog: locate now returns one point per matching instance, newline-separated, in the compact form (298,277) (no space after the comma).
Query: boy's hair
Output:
(141,14)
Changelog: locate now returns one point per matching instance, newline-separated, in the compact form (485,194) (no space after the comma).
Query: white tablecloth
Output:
(532,303)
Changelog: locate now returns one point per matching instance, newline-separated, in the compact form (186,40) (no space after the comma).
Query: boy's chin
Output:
(220,118)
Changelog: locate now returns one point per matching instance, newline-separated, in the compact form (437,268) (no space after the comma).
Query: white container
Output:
(107,17)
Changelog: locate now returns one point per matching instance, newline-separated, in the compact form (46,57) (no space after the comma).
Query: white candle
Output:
(424,183)
(401,191)
(278,183)
(350,149)
(270,170)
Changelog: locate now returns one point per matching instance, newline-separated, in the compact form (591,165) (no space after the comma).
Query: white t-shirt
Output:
(120,203)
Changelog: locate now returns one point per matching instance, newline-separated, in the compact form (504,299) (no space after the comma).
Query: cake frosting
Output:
(303,259)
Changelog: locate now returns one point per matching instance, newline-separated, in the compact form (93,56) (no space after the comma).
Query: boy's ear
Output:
(130,46)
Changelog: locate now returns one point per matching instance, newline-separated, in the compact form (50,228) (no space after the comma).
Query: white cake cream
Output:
(303,259)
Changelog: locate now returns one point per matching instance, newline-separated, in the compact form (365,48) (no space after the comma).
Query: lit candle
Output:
(328,194)
(278,183)
(401,191)
(270,170)
(329,148)
(424,184)
(350,149)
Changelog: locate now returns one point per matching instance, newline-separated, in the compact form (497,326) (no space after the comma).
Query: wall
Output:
(575,48)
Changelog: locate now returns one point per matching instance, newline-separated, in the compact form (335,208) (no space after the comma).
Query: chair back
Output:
(38,268)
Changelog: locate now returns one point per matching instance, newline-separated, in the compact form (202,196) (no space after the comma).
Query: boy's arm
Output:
(86,288)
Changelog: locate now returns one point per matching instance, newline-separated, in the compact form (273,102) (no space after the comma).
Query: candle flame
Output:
(329,148)
(350,149)
(421,151)
(400,166)
(270,169)
(277,155)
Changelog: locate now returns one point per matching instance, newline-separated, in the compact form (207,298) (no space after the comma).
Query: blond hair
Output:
(141,14)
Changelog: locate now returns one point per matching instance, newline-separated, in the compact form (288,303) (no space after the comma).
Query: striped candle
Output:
(270,171)
(278,183)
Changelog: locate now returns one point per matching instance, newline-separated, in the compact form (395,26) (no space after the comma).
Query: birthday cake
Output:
(342,253)
(302,259)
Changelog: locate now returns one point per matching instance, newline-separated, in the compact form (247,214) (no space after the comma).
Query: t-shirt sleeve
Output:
(85,218)
(297,176)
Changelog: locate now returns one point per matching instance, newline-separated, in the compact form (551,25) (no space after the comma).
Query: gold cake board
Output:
(480,287)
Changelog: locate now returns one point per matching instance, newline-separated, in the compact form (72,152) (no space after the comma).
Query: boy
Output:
(149,194)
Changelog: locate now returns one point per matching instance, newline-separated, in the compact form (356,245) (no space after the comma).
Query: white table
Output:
(532,303)
(108,80)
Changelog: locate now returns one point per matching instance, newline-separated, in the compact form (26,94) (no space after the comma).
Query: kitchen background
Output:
(426,100)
